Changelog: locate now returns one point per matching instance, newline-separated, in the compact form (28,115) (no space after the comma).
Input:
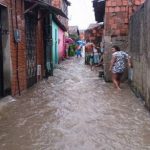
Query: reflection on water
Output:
(75,110)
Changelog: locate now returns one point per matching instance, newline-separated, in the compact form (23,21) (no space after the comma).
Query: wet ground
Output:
(74,110)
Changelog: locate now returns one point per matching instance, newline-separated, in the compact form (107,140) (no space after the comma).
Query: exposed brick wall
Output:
(21,48)
(117,15)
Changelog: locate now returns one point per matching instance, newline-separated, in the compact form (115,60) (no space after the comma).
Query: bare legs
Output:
(116,78)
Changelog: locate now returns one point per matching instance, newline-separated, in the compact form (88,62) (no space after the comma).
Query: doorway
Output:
(31,54)
(5,77)
(48,45)
(1,61)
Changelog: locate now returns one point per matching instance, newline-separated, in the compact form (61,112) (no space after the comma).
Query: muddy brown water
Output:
(75,110)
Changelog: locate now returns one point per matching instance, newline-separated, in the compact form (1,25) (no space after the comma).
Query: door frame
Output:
(5,54)
(1,61)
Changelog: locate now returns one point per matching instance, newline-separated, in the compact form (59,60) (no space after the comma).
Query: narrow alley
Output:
(74,110)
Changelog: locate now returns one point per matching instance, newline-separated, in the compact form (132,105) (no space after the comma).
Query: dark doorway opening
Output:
(48,45)
(1,59)
(5,69)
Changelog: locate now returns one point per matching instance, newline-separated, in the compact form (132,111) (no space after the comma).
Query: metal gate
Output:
(48,46)
(1,60)
(31,55)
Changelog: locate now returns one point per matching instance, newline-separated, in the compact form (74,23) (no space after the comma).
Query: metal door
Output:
(1,60)
(48,46)
(30,26)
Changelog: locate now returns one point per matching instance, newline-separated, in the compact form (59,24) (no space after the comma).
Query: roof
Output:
(59,23)
(93,25)
(46,6)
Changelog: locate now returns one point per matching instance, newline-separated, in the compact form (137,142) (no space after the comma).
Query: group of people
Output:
(94,56)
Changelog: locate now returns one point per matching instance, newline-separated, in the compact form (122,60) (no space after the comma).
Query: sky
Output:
(81,13)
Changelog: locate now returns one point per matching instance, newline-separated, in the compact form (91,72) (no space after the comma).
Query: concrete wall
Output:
(139,44)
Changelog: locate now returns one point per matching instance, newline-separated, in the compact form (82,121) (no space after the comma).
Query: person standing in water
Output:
(78,51)
(118,65)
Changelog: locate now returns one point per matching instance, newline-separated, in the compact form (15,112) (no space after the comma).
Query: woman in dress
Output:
(118,65)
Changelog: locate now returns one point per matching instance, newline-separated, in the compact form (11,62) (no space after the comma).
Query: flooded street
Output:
(75,110)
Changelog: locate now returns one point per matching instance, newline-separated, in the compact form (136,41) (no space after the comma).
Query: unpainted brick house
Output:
(26,43)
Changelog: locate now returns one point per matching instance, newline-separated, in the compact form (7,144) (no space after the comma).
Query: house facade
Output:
(62,27)
(26,43)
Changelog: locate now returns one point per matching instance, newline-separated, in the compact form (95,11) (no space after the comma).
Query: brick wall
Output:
(117,15)
(21,46)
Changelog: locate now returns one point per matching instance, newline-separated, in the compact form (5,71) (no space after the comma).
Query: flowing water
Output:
(74,110)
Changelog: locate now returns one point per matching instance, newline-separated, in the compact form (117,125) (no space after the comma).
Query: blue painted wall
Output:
(55,43)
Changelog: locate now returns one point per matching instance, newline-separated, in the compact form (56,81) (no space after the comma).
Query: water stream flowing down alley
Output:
(74,110)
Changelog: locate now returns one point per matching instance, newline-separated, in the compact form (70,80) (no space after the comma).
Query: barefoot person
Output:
(117,65)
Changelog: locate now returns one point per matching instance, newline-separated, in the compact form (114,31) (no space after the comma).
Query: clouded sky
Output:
(81,13)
